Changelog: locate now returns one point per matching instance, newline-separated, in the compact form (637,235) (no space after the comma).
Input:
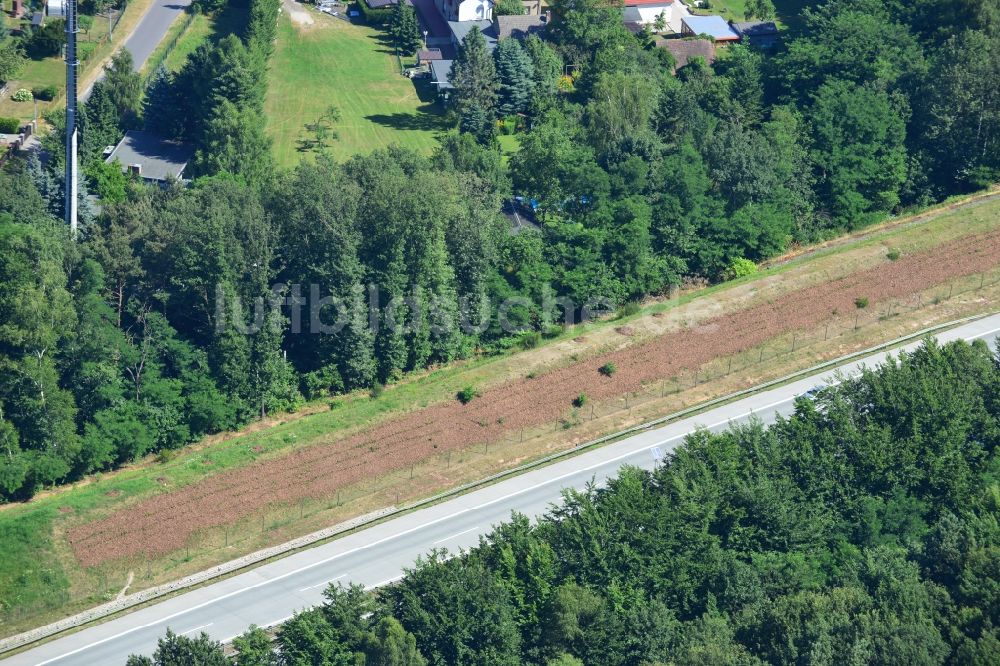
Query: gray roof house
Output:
(501,27)
(763,34)
(519,27)
(151,157)
(459,29)
(440,71)
(713,26)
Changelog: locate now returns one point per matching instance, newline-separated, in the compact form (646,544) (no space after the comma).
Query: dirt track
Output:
(164,523)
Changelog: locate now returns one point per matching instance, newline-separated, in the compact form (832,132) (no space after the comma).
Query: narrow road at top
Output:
(148,34)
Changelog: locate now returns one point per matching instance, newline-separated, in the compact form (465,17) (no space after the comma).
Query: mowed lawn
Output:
(332,62)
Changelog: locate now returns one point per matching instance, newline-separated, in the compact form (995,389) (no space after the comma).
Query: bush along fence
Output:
(159,56)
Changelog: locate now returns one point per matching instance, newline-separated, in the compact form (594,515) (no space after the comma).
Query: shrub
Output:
(738,268)
(629,309)
(580,400)
(466,395)
(376,390)
(85,50)
(45,93)
(861,302)
(508,125)
(608,369)
(553,331)
(9,125)
(375,17)
(22,95)
(322,382)
(892,255)
(531,339)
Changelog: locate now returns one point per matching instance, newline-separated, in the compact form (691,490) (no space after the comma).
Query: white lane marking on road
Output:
(449,538)
(416,528)
(322,584)
(191,631)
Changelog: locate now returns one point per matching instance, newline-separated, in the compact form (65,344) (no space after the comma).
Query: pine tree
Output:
(159,107)
(476,123)
(262,27)
(45,183)
(124,86)
(235,143)
(516,74)
(474,75)
(404,29)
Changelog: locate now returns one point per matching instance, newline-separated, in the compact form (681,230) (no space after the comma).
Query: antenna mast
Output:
(72,64)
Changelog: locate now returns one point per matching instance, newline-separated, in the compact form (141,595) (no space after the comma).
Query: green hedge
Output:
(9,125)
(374,16)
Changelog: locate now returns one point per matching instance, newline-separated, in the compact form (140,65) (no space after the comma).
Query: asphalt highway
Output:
(376,556)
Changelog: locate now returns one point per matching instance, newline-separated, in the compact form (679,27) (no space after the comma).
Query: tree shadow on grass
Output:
(384,42)
(428,120)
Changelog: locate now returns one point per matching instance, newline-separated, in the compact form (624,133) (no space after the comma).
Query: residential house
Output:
(501,27)
(441,76)
(151,157)
(460,29)
(762,34)
(713,26)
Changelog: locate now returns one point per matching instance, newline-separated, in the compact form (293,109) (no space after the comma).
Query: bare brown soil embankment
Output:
(164,523)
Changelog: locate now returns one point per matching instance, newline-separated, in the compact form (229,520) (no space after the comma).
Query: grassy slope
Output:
(39,580)
(334,62)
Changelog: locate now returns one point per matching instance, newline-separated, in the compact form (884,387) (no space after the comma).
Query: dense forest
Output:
(114,345)
(861,530)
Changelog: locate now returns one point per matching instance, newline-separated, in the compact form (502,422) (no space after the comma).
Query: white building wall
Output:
(673,12)
(474,10)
